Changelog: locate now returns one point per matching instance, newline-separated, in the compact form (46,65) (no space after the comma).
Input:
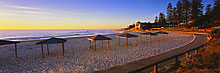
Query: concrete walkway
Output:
(132,66)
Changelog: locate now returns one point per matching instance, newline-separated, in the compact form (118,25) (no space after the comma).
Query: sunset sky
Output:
(79,14)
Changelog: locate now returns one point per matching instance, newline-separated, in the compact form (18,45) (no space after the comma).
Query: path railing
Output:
(155,65)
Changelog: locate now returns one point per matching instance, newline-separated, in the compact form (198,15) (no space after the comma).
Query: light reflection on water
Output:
(25,35)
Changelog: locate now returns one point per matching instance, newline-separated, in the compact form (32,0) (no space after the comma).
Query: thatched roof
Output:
(5,42)
(127,35)
(148,33)
(52,41)
(99,37)
(161,32)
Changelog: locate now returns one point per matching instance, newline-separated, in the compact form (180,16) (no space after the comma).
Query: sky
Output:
(79,14)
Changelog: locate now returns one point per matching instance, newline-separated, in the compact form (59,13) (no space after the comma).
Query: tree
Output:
(208,9)
(197,8)
(162,20)
(174,13)
(216,5)
(202,22)
(179,12)
(156,20)
(169,13)
(186,10)
(215,14)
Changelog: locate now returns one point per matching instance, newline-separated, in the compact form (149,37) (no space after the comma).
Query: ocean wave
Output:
(46,34)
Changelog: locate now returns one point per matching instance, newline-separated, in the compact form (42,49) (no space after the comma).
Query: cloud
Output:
(16,10)
(32,12)
(24,7)
(8,14)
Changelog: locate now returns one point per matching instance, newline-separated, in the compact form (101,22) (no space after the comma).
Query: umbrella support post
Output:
(48,49)
(163,37)
(90,44)
(108,45)
(146,39)
(135,41)
(42,50)
(16,50)
(62,49)
(126,41)
(140,38)
(102,43)
(118,41)
(95,45)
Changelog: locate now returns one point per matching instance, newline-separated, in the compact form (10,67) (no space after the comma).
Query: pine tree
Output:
(197,8)
(169,13)
(179,12)
(162,20)
(208,9)
(186,10)
(156,20)
(216,4)
(215,14)
(174,16)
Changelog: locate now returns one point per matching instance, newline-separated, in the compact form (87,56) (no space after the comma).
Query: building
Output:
(138,26)
(141,26)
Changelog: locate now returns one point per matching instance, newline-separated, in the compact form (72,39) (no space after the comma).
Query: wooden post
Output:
(126,41)
(176,59)
(157,38)
(167,37)
(102,43)
(163,37)
(196,51)
(108,45)
(95,45)
(62,49)
(42,50)
(48,49)
(155,68)
(118,41)
(135,40)
(202,48)
(90,44)
(16,50)
(140,37)
(146,39)
(150,39)
(187,55)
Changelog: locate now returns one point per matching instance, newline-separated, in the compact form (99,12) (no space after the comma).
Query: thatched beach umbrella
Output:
(5,42)
(127,35)
(148,34)
(52,41)
(162,32)
(98,37)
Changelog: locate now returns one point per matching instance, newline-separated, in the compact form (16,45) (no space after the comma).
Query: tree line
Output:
(192,10)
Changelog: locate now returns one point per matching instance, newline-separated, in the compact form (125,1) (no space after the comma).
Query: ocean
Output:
(30,35)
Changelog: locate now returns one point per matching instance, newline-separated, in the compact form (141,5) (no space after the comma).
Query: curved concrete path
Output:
(132,66)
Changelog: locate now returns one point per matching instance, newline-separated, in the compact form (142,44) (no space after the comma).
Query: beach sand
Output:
(78,58)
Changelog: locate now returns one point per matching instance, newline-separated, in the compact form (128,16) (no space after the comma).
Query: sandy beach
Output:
(78,58)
